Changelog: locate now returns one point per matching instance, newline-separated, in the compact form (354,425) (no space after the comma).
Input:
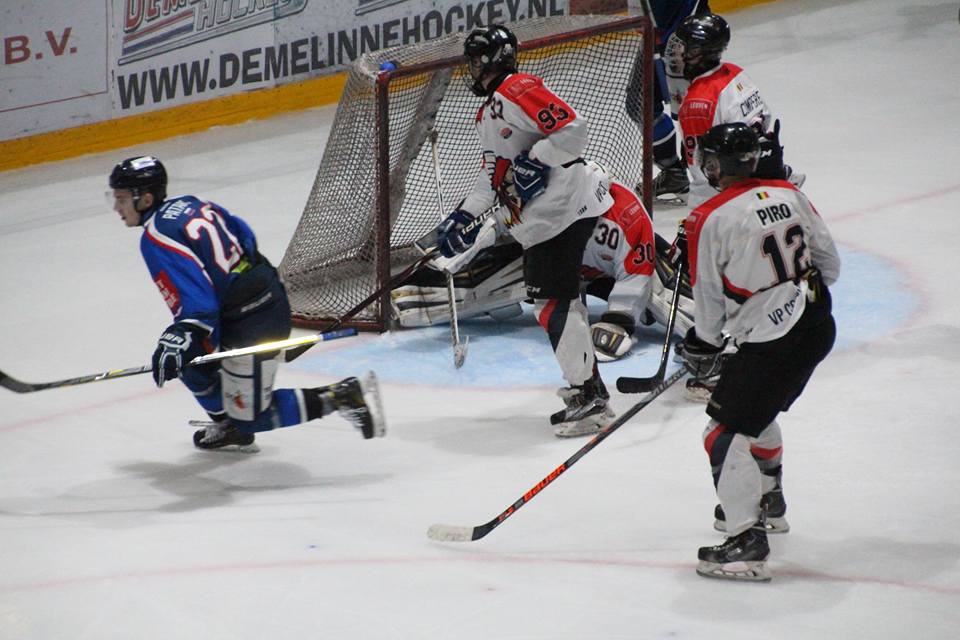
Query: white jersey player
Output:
(533,140)
(719,93)
(760,262)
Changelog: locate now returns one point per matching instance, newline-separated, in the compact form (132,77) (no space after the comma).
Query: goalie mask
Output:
(696,46)
(489,53)
(731,149)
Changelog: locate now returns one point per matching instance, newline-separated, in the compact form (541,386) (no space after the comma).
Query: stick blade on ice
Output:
(450,533)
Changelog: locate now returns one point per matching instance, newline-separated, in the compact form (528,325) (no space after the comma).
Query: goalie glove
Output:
(700,358)
(529,177)
(180,343)
(611,336)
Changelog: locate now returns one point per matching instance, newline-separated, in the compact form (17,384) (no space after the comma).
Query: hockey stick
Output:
(451,533)
(20,386)
(459,349)
(626,384)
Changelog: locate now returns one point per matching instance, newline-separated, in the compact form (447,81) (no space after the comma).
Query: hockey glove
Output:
(456,233)
(701,358)
(610,341)
(770,165)
(529,177)
(179,344)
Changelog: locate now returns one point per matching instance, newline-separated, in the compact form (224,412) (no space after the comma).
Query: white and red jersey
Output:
(524,115)
(720,96)
(622,247)
(749,247)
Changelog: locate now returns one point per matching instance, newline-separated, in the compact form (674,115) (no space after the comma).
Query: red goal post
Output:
(375,192)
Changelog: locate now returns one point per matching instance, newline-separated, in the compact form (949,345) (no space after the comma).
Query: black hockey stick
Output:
(451,533)
(626,384)
(19,386)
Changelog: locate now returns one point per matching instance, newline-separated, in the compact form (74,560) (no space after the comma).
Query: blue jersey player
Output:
(224,294)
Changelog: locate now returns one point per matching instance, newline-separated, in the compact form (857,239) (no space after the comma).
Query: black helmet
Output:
(728,150)
(143,174)
(488,52)
(700,40)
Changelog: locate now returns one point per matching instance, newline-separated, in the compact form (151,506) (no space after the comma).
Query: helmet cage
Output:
(488,53)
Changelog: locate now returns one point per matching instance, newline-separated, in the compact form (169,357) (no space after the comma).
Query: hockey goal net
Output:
(375,192)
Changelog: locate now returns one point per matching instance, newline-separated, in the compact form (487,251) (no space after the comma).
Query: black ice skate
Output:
(671,187)
(740,557)
(358,401)
(222,436)
(772,503)
(587,409)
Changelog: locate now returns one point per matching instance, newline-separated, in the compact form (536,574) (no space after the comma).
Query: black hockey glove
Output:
(180,343)
(701,358)
(529,177)
(770,165)
(456,233)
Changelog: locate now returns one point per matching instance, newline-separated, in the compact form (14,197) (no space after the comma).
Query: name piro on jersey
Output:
(749,248)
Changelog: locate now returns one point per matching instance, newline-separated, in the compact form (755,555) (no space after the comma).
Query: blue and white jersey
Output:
(191,249)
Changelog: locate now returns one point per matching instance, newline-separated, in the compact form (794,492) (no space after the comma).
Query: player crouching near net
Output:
(224,294)
(760,260)
(527,129)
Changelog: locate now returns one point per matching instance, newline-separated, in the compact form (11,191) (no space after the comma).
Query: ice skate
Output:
(588,426)
(358,401)
(583,401)
(771,503)
(222,436)
(700,389)
(671,187)
(739,557)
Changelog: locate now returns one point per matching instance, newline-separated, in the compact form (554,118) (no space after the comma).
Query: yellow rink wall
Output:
(176,121)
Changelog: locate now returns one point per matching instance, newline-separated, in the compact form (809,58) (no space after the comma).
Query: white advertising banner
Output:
(55,65)
(67,65)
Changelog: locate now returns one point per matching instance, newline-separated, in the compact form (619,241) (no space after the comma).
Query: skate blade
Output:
(745,571)
(670,200)
(371,395)
(586,427)
(697,394)
(774,525)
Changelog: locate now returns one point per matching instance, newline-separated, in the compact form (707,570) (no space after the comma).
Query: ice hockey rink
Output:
(113,526)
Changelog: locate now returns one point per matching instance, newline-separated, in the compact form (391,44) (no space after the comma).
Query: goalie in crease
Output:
(223,293)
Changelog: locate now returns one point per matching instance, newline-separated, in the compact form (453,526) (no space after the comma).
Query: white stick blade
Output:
(449,533)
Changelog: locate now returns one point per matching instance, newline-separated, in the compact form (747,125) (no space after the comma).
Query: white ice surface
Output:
(113,526)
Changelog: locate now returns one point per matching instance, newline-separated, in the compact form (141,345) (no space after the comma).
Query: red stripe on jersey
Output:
(537,101)
(741,294)
(693,223)
(765,454)
(544,317)
(712,437)
(699,109)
